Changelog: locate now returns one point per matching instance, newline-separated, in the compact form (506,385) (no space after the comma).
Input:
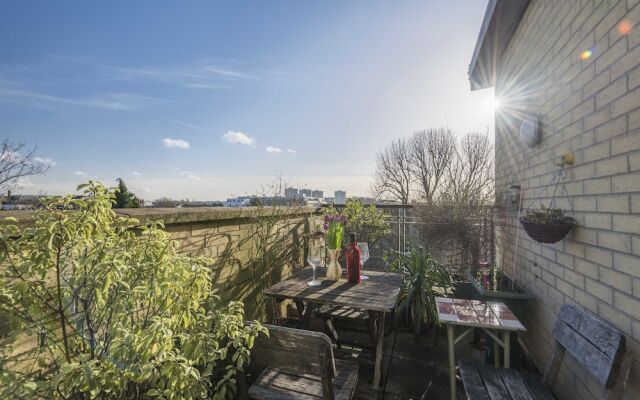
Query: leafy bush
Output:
(367,222)
(107,309)
(421,275)
(547,215)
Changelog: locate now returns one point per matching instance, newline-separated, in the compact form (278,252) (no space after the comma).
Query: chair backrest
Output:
(297,352)
(595,344)
(375,263)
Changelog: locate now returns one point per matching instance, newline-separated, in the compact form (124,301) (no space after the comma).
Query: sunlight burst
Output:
(491,105)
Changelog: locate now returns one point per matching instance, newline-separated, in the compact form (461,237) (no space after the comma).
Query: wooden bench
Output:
(298,364)
(597,346)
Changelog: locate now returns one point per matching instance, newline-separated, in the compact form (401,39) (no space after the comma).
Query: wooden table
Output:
(378,295)
(492,317)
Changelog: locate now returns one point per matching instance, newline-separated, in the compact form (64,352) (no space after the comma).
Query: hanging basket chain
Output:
(558,178)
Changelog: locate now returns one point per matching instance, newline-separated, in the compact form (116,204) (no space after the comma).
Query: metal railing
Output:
(458,241)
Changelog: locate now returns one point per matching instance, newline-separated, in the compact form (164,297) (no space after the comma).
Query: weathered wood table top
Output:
(475,313)
(378,293)
(494,318)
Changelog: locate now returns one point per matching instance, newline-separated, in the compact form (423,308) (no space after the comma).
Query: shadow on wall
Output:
(250,255)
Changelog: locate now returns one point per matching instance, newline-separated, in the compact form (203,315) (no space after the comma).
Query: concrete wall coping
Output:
(185,215)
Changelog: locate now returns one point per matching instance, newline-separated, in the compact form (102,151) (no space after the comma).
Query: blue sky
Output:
(206,100)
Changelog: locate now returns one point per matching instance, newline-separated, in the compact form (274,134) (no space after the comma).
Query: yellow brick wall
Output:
(591,108)
(229,237)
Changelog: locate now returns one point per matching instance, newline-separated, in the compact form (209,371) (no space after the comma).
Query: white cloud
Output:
(108,101)
(271,149)
(188,125)
(206,86)
(190,175)
(136,174)
(24,183)
(214,70)
(49,162)
(239,138)
(292,151)
(80,173)
(200,76)
(176,143)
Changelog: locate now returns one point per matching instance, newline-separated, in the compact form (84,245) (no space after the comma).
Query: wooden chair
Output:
(298,364)
(597,346)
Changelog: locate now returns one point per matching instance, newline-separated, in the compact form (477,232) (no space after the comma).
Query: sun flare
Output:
(491,105)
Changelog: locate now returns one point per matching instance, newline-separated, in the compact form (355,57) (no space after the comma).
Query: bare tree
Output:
(393,171)
(431,152)
(470,175)
(16,162)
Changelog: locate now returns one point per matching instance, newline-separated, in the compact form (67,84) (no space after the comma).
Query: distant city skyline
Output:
(212,100)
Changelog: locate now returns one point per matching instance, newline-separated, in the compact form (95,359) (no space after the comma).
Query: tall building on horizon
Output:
(339,197)
(291,193)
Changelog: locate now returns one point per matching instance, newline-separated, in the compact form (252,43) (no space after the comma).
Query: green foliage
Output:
(334,224)
(421,277)
(108,309)
(546,215)
(367,222)
(124,198)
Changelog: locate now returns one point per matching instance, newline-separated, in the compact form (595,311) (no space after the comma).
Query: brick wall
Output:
(232,239)
(591,108)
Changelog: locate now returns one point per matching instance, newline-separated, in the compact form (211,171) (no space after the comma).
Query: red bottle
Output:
(353,260)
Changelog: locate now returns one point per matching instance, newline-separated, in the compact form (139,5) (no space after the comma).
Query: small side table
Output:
(494,318)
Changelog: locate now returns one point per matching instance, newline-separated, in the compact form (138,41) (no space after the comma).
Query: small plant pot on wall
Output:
(547,225)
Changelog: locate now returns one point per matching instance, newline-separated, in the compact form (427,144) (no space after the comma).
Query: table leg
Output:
(372,331)
(304,310)
(300,307)
(377,371)
(507,348)
(496,351)
(452,361)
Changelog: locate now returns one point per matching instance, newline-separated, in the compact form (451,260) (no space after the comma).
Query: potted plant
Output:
(334,227)
(547,225)
(422,278)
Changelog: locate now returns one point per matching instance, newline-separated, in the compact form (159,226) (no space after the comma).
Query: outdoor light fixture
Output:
(530,131)
(514,197)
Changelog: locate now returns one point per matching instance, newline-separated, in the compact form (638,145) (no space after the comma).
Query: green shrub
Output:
(108,309)
(547,215)
(422,278)
(366,221)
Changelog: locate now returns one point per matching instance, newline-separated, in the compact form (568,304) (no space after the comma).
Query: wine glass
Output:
(314,258)
(364,256)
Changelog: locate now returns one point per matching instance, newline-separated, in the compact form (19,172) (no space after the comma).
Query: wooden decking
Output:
(417,368)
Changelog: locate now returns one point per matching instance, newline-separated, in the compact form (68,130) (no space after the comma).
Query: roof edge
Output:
(501,19)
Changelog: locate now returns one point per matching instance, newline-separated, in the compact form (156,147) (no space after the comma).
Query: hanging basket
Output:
(548,233)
